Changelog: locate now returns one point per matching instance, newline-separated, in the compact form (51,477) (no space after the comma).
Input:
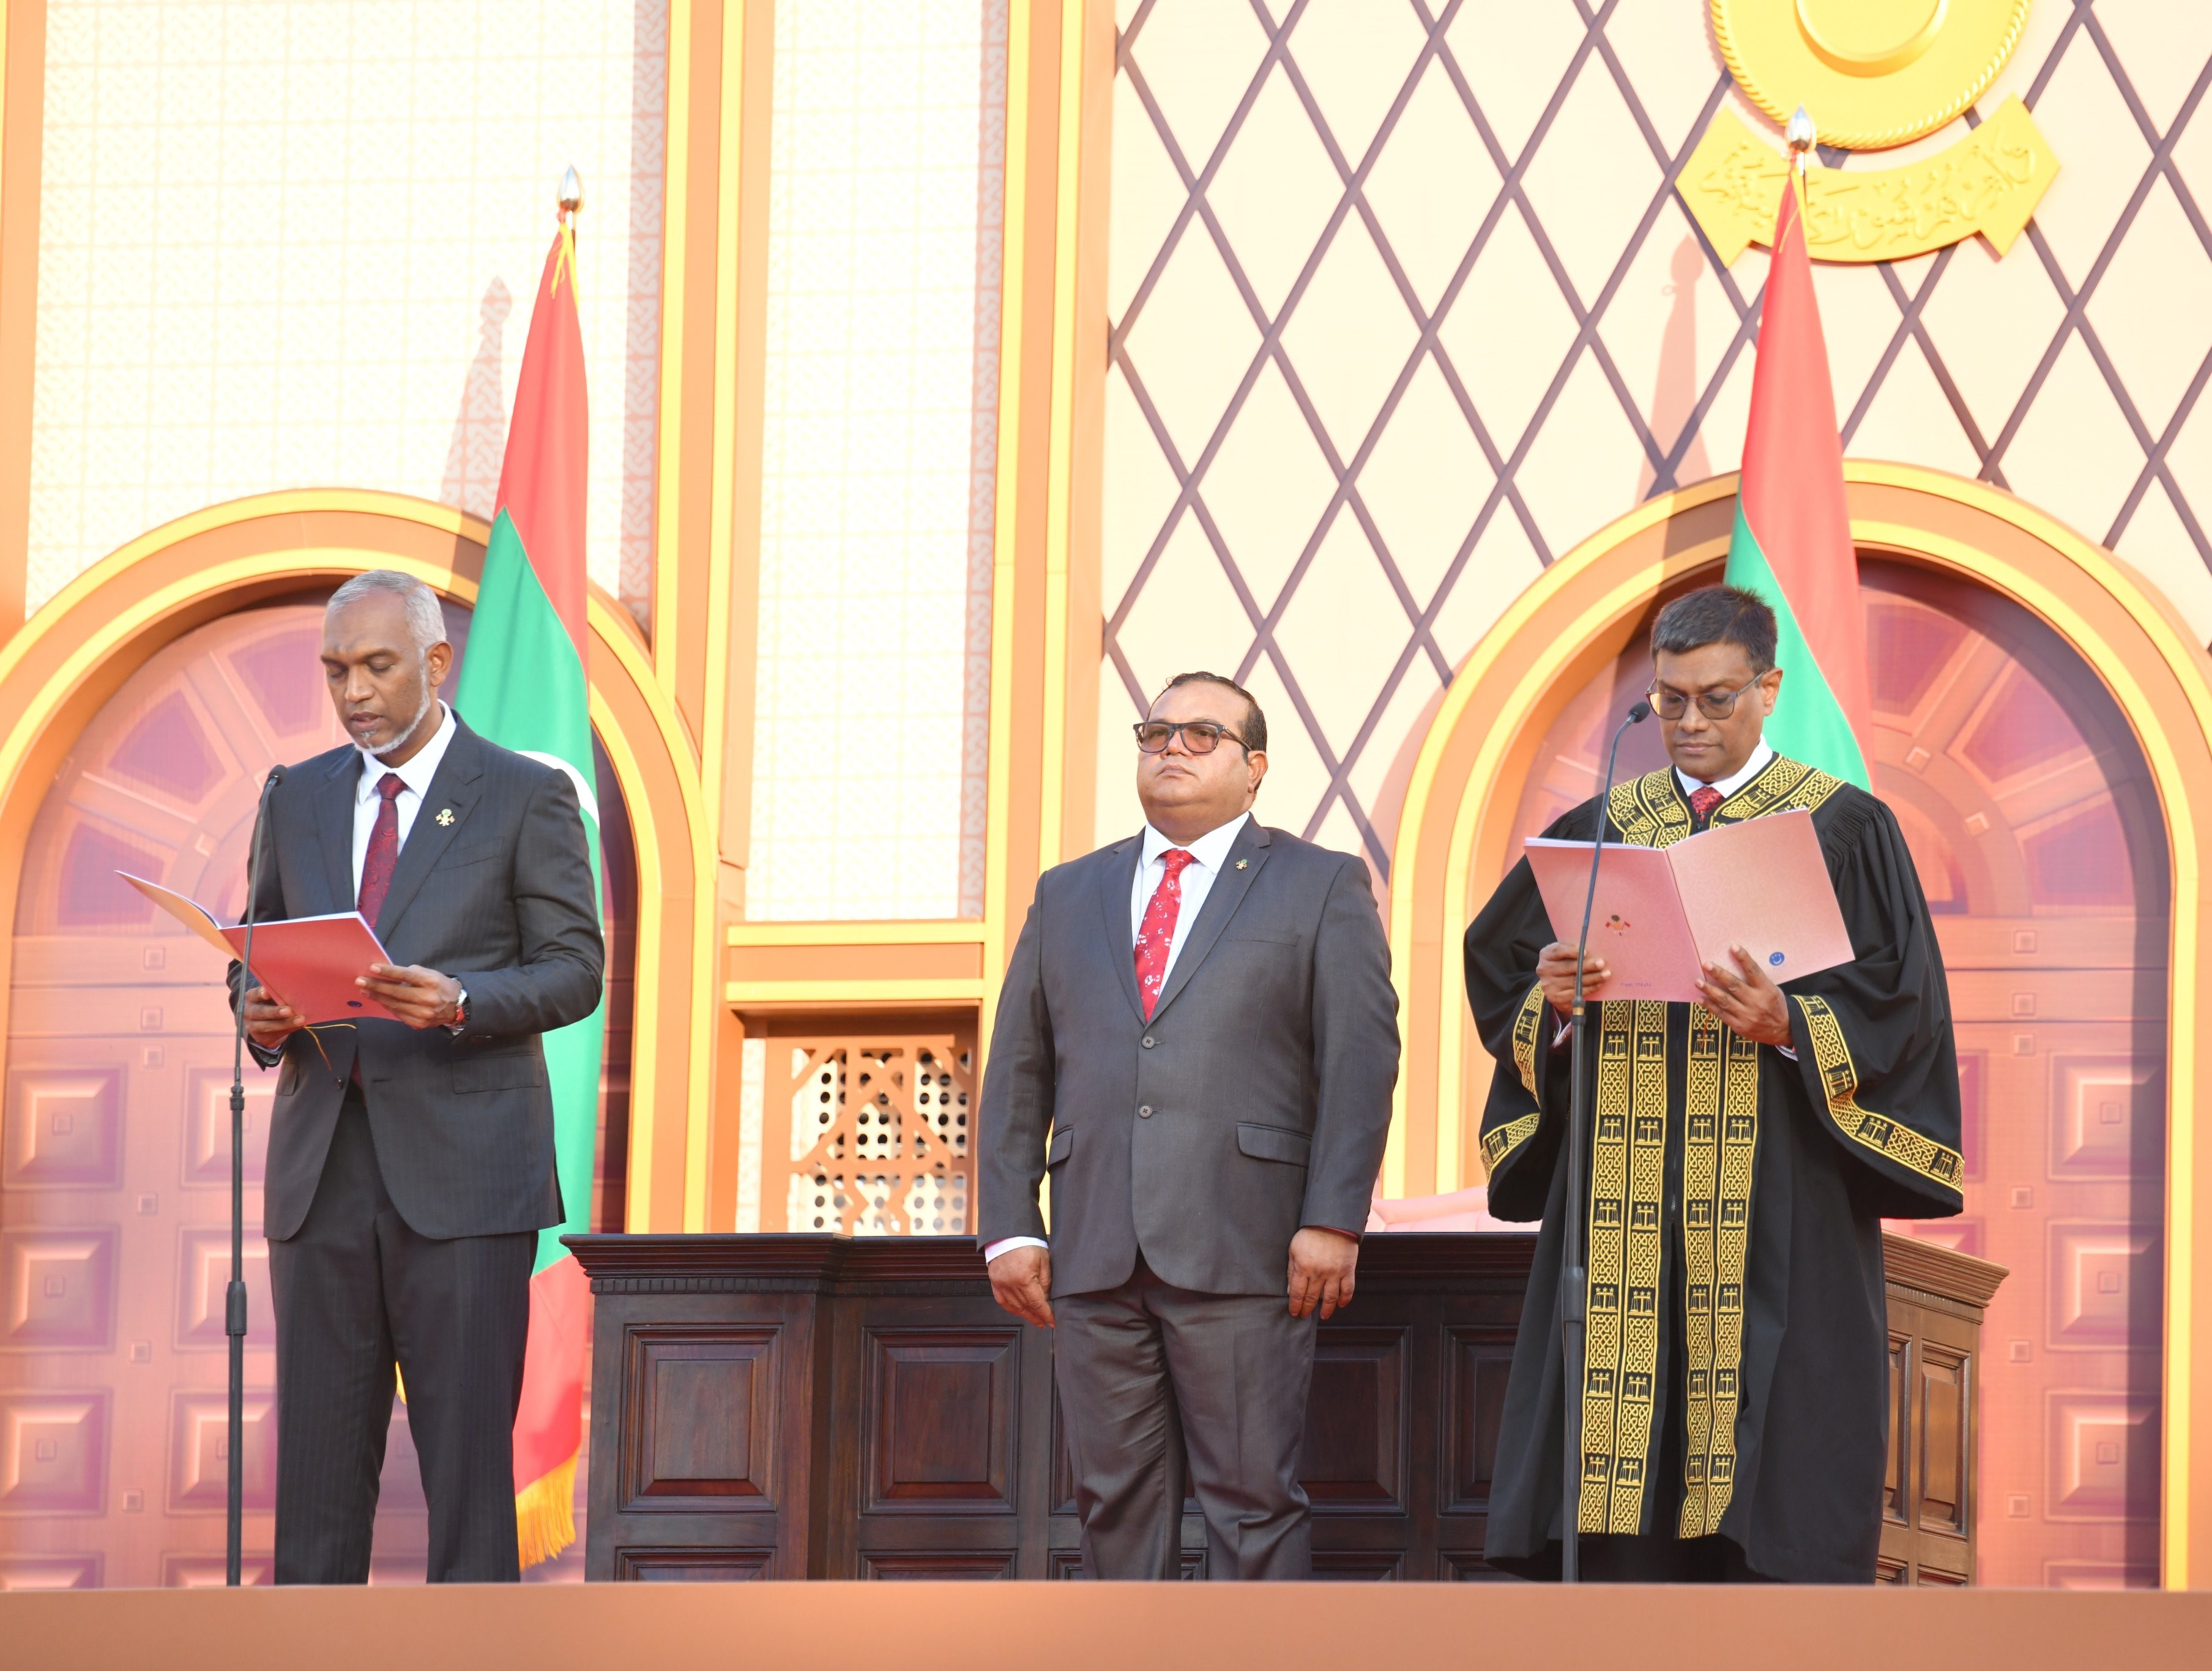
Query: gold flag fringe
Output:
(545,1514)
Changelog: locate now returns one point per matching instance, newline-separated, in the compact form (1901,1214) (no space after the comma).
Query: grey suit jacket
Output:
(500,896)
(1255,1100)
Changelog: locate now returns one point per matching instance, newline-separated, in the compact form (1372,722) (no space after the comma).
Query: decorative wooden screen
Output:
(876,1125)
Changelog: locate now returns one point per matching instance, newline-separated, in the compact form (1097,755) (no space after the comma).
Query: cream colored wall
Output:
(1932,358)
(288,246)
(886,204)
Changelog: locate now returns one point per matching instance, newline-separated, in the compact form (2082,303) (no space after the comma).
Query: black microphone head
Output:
(1636,715)
(276,776)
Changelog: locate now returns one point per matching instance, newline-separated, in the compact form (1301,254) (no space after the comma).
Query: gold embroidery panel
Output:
(1498,1145)
(1714,1380)
(1886,1137)
(1627,1182)
(1525,1029)
(1700,1172)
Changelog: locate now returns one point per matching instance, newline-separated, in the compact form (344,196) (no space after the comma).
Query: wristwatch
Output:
(460,1021)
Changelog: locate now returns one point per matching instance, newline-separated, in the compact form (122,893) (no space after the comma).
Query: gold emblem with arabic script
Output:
(1872,74)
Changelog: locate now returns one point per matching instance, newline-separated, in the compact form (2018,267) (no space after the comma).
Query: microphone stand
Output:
(1574,1284)
(234,1296)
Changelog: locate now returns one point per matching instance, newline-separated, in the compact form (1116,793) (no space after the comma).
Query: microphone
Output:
(1574,1298)
(233,1299)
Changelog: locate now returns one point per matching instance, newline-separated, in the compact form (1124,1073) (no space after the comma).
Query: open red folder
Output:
(310,964)
(1663,913)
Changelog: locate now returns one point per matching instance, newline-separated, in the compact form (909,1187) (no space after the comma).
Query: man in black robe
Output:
(1744,1152)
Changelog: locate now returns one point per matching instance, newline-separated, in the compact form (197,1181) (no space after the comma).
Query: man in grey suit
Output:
(1197,1041)
(411,1161)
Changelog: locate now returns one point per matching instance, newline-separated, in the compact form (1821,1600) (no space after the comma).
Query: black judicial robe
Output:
(1737,1362)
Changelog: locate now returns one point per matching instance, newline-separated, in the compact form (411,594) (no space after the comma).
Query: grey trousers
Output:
(1153,1376)
(356,1290)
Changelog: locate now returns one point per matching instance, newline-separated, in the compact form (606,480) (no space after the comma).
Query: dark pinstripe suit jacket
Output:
(500,896)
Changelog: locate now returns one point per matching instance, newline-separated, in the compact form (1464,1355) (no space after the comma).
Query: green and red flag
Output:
(1792,544)
(522,685)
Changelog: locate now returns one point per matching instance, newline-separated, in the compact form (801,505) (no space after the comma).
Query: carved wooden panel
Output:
(203,1572)
(1897,1469)
(58,1289)
(938,1563)
(704,1398)
(2104,1448)
(203,1278)
(53,1452)
(939,1408)
(1940,1426)
(1476,1362)
(63,1128)
(205,1160)
(1352,1460)
(53,1571)
(1467,1566)
(918,1434)
(1370,1564)
(692,1565)
(1068,1563)
(199,1451)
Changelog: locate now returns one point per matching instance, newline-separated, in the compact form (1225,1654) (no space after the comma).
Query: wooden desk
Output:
(806,1406)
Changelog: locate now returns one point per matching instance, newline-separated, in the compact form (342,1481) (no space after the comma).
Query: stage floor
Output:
(1077,1627)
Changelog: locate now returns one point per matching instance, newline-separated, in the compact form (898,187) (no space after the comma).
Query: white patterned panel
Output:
(291,246)
(1305,492)
(885,210)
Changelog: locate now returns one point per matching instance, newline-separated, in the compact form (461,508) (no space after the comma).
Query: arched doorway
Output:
(2034,822)
(115,1164)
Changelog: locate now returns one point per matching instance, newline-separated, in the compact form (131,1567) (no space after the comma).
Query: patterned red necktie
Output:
(1156,932)
(1703,801)
(383,855)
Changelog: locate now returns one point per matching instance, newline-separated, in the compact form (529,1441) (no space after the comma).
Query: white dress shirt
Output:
(1728,786)
(415,776)
(1207,855)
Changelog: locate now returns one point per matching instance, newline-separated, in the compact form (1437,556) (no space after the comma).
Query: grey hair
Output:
(426,621)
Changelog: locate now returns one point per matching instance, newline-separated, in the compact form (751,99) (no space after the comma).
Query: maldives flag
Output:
(522,685)
(1792,544)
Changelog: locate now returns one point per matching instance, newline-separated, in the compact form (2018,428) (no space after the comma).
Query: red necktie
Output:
(383,854)
(1157,933)
(1703,801)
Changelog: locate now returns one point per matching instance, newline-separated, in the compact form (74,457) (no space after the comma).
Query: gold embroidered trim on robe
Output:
(1786,786)
(1650,811)
(1720,1140)
(1877,1132)
(1628,1167)
(1498,1145)
(1525,1029)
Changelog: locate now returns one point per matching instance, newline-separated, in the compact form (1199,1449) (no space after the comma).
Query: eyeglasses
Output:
(1198,736)
(1713,704)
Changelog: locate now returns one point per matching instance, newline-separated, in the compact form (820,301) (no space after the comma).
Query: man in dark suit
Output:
(1197,1041)
(410,1160)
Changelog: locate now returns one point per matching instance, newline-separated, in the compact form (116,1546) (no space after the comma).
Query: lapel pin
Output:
(1241,863)
(445,818)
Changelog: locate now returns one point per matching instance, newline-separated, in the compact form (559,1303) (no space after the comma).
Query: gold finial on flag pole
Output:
(572,193)
(1801,135)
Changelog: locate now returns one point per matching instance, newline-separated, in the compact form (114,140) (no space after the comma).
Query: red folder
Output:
(1663,913)
(309,963)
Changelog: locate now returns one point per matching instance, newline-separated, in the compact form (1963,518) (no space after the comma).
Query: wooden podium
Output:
(811,1407)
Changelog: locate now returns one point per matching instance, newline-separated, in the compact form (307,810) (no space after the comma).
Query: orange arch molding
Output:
(78,650)
(1580,614)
